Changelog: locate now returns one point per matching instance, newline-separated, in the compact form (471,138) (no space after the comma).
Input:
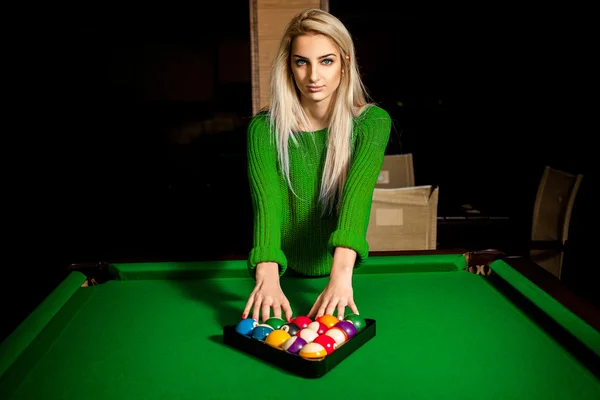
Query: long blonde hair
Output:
(287,115)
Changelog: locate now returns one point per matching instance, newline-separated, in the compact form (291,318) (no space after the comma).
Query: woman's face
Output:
(316,66)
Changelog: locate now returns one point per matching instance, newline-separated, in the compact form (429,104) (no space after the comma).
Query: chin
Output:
(317,97)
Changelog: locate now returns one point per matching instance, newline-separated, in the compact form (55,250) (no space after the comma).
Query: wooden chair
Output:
(551,217)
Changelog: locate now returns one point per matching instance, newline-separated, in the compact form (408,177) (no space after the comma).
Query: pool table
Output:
(450,325)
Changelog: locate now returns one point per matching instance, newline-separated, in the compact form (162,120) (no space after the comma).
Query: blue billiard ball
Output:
(260,332)
(246,326)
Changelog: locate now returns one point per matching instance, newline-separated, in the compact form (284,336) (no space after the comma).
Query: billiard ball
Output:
(246,326)
(261,331)
(336,333)
(328,320)
(347,327)
(290,328)
(318,327)
(358,321)
(294,344)
(302,321)
(308,334)
(312,351)
(277,338)
(275,322)
(327,342)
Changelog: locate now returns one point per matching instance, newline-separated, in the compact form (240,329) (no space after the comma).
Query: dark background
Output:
(130,127)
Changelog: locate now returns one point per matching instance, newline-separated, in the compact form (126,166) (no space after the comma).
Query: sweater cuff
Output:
(266,254)
(351,240)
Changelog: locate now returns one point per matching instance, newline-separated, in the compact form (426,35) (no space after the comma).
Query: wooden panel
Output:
(268,19)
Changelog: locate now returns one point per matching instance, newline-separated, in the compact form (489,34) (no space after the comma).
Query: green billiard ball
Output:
(358,321)
(275,322)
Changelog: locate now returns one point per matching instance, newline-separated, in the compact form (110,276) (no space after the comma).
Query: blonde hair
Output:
(287,115)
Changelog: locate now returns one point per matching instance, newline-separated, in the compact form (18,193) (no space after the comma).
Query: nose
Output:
(313,76)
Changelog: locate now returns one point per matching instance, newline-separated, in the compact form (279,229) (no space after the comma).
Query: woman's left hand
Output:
(338,294)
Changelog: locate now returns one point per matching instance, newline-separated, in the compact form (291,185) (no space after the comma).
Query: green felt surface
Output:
(442,333)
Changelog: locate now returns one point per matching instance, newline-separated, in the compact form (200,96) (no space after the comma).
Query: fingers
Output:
(352,306)
(266,311)
(314,308)
(248,306)
(256,311)
(287,309)
(341,309)
(276,310)
(322,308)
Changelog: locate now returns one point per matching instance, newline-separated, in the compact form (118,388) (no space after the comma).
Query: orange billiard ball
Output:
(328,320)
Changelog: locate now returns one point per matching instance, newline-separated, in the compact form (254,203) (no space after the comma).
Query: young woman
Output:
(313,159)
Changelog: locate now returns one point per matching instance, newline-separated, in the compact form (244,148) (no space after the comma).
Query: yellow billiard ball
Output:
(277,338)
(313,351)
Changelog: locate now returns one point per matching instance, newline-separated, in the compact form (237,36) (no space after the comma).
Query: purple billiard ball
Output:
(348,327)
(294,344)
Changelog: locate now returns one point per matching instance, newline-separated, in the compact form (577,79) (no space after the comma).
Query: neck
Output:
(317,113)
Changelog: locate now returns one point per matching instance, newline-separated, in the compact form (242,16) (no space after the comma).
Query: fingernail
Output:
(289,319)
(243,316)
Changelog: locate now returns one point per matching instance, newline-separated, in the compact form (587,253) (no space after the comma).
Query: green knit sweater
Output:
(290,229)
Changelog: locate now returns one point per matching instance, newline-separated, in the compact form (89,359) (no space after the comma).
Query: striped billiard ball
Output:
(337,334)
(294,344)
(261,331)
(318,327)
(313,351)
(348,328)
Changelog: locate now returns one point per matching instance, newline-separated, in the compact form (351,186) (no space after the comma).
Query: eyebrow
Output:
(326,55)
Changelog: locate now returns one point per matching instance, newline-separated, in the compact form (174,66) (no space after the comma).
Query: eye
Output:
(327,61)
(300,62)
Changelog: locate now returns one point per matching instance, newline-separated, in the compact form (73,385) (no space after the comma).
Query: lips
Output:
(314,89)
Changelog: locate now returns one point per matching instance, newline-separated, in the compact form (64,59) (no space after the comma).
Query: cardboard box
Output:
(397,172)
(403,219)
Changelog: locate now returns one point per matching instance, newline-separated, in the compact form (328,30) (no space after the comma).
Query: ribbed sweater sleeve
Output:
(372,132)
(266,195)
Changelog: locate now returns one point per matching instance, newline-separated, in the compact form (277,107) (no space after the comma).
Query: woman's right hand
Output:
(267,295)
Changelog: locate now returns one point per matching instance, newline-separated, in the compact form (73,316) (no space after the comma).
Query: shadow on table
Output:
(228,297)
(215,293)
(219,340)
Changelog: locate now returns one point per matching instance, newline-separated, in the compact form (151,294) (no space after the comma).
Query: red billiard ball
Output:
(308,334)
(327,342)
(318,327)
(337,334)
(302,321)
